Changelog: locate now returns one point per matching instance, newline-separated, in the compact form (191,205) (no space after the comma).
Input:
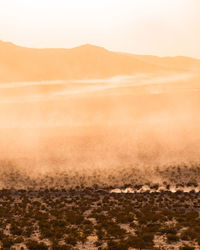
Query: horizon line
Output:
(94,45)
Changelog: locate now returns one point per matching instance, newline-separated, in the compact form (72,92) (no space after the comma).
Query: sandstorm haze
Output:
(97,114)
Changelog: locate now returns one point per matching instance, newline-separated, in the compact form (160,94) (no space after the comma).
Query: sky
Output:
(156,27)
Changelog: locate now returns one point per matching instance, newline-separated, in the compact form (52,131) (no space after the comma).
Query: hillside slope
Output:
(83,62)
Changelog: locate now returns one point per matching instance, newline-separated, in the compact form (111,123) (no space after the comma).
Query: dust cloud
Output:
(110,132)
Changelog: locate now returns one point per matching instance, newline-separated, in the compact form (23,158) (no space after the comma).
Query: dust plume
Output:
(111,132)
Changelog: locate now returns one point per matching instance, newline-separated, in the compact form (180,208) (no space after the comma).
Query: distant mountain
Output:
(83,62)
(177,62)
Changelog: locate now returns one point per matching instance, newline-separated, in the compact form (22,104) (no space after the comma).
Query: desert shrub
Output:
(15,229)
(74,218)
(168,230)
(19,239)
(61,247)
(136,242)
(114,230)
(124,217)
(189,234)
(34,245)
(100,234)
(172,238)
(28,231)
(117,245)
(147,237)
(187,248)
(7,242)
(87,229)
(192,215)
(154,228)
(98,243)
(2,235)
(71,240)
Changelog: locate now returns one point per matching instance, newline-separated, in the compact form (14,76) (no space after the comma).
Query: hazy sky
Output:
(159,27)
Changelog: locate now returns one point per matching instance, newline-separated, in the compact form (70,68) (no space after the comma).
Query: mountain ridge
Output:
(86,61)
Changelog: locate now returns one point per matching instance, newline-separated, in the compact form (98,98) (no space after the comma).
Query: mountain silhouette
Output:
(83,62)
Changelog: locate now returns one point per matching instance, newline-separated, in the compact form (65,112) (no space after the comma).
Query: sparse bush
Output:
(172,238)
(34,245)
(7,242)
